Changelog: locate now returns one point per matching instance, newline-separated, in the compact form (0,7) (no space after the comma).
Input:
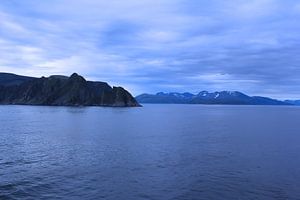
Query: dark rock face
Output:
(204,97)
(7,79)
(62,91)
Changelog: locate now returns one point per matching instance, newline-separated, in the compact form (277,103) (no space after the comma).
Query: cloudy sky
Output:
(158,45)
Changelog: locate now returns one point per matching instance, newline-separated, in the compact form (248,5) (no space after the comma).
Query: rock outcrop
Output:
(61,91)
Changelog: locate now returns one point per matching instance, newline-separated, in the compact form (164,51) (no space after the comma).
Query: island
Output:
(60,90)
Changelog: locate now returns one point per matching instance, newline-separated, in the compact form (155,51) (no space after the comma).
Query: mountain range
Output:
(204,97)
(60,90)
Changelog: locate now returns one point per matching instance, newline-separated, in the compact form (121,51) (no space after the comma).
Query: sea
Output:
(155,152)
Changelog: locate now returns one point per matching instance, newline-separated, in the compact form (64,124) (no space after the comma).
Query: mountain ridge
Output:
(60,90)
(205,97)
(293,102)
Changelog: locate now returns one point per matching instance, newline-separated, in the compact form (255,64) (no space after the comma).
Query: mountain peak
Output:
(74,75)
(205,97)
(77,77)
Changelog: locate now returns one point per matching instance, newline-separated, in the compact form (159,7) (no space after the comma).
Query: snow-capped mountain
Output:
(205,97)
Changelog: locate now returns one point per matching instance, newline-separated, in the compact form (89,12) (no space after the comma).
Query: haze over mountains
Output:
(61,91)
(204,97)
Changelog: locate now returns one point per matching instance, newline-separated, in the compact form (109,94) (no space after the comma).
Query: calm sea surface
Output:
(159,152)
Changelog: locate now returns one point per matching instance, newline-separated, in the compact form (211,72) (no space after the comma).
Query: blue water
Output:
(155,152)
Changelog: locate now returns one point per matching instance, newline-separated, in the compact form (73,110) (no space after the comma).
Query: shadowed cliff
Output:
(61,91)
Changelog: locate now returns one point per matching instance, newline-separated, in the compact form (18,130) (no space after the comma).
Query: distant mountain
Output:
(204,97)
(293,102)
(61,91)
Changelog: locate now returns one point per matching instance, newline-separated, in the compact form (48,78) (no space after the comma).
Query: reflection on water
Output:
(153,152)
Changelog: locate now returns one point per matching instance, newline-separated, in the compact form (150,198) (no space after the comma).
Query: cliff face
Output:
(64,91)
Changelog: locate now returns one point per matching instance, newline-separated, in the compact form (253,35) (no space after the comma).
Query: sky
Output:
(148,46)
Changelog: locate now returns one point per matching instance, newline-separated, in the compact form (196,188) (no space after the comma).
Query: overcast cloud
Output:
(164,45)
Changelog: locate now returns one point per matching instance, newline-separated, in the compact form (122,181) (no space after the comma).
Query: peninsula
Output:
(61,91)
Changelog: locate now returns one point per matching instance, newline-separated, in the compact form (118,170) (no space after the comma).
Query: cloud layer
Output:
(165,45)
